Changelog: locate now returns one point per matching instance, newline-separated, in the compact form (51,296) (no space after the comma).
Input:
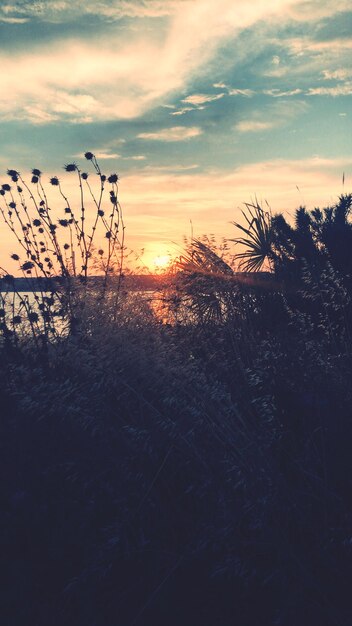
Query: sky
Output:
(198,105)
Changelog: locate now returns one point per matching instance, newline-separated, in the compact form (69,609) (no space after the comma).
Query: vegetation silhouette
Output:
(194,471)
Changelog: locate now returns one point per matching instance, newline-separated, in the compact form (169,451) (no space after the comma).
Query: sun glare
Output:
(161,262)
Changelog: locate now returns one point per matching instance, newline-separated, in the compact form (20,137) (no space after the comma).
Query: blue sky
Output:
(199,105)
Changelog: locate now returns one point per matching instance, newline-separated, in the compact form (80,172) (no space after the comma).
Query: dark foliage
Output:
(196,472)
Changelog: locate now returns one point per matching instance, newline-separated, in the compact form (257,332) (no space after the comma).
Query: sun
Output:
(161,262)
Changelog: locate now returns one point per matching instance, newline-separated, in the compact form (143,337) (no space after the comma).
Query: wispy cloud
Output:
(107,156)
(335,91)
(13,20)
(185,110)
(65,10)
(232,91)
(246,93)
(202,98)
(176,133)
(274,116)
(277,93)
(253,126)
(124,80)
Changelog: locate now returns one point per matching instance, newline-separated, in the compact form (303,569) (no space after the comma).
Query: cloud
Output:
(277,93)
(176,133)
(202,98)
(66,10)
(252,126)
(61,11)
(274,116)
(13,20)
(106,155)
(231,91)
(246,93)
(339,74)
(125,75)
(169,168)
(337,90)
(185,110)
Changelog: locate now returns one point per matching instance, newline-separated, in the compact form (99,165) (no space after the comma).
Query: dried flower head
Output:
(54,181)
(113,178)
(28,265)
(70,167)
(33,317)
(89,155)
(13,174)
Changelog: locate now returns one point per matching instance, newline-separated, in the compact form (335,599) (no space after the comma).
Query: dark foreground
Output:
(184,474)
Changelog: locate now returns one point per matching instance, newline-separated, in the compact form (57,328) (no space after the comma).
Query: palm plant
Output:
(258,239)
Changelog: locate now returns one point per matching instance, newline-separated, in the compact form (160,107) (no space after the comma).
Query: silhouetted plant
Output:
(57,253)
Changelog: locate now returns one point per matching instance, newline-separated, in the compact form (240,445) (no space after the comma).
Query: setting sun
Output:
(161,262)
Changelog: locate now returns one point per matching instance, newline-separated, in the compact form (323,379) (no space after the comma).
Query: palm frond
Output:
(257,240)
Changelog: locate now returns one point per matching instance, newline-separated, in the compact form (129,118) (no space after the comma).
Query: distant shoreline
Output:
(129,282)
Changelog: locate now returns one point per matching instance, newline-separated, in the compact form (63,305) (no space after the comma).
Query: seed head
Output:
(13,173)
(28,265)
(33,317)
(70,167)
